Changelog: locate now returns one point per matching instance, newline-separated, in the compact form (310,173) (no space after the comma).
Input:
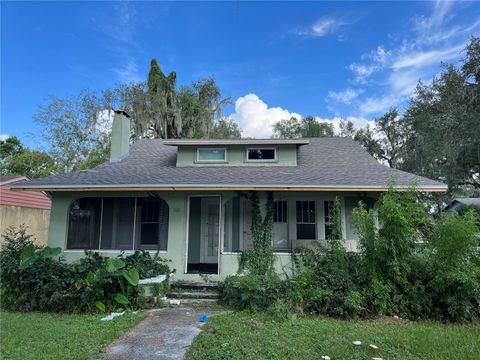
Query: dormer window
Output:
(211,155)
(261,154)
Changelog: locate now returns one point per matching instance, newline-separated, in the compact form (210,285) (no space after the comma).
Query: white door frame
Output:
(188,226)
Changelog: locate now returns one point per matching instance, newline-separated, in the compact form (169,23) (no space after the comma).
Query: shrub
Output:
(454,261)
(326,281)
(35,279)
(251,292)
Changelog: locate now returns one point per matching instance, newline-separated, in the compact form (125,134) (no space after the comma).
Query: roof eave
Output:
(221,187)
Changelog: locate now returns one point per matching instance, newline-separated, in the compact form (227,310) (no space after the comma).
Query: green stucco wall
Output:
(236,156)
(177,233)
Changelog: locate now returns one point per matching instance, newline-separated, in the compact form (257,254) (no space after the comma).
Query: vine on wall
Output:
(335,219)
(260,260)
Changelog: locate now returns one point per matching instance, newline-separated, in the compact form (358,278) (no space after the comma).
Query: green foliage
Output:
(74,129)
(391,275)
(386,142)
(252,291)
(35,279)
(16,159)
(334,217)
(442,141)
(225,128)
(159,110)
(260,260)
(326,281)
(454,261)
(307,126)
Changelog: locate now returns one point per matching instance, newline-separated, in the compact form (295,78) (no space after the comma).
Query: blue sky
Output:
(348,60)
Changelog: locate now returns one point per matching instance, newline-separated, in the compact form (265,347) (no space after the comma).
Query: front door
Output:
(210,230)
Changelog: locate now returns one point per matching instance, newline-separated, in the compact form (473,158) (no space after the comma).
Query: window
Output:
(280,226)
(306,224)
(261,154)
(211,155)
(124,223)
(327,210)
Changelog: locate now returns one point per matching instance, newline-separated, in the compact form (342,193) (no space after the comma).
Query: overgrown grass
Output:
(247,336)
(26,336)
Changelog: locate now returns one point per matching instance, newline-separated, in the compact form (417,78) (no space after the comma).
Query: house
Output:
(183,197)
(457,203)
(29,208)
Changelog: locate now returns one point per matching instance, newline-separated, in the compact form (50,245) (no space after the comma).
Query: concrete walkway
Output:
(164,334)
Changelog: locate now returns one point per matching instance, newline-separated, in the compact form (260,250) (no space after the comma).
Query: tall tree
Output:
(16,159)
(307,126)
(225,128)
(443,127)
(71,128)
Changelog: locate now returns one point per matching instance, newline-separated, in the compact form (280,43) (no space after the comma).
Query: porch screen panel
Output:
(247,225)
(280,226)
(117,225)
(152,224)
(328,208)
(306,220)
(232,225)
(84,223)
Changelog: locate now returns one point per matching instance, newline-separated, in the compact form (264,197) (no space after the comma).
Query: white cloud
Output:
(322,27)
(128,72)
(362,72)
(255,118)
(4,137)
(396,68)
(374,105)
(426,58)
(346,96)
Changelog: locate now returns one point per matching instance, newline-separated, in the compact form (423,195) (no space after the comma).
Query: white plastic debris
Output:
(357,343)
(112,316)
(377,358)
(326,357)
(174,302)
(396,317)
(374,347)
(153,280)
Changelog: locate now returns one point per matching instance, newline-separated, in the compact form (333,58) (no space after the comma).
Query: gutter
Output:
(192,187)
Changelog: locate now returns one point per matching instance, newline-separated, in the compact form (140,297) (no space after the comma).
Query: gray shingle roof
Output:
(324,163)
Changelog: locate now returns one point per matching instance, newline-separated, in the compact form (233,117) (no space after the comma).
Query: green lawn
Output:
(245,336)
(54,336)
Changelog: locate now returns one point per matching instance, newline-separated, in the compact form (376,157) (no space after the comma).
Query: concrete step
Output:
(192,295)
(189,285)
(195,302)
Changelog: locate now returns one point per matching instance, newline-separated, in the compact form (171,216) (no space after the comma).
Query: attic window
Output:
(261,154)
(211,155)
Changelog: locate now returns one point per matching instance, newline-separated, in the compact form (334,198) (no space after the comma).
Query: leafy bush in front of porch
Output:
(392,274)
(36,279)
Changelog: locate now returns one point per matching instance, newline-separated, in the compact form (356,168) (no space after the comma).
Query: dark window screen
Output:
(261,154)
